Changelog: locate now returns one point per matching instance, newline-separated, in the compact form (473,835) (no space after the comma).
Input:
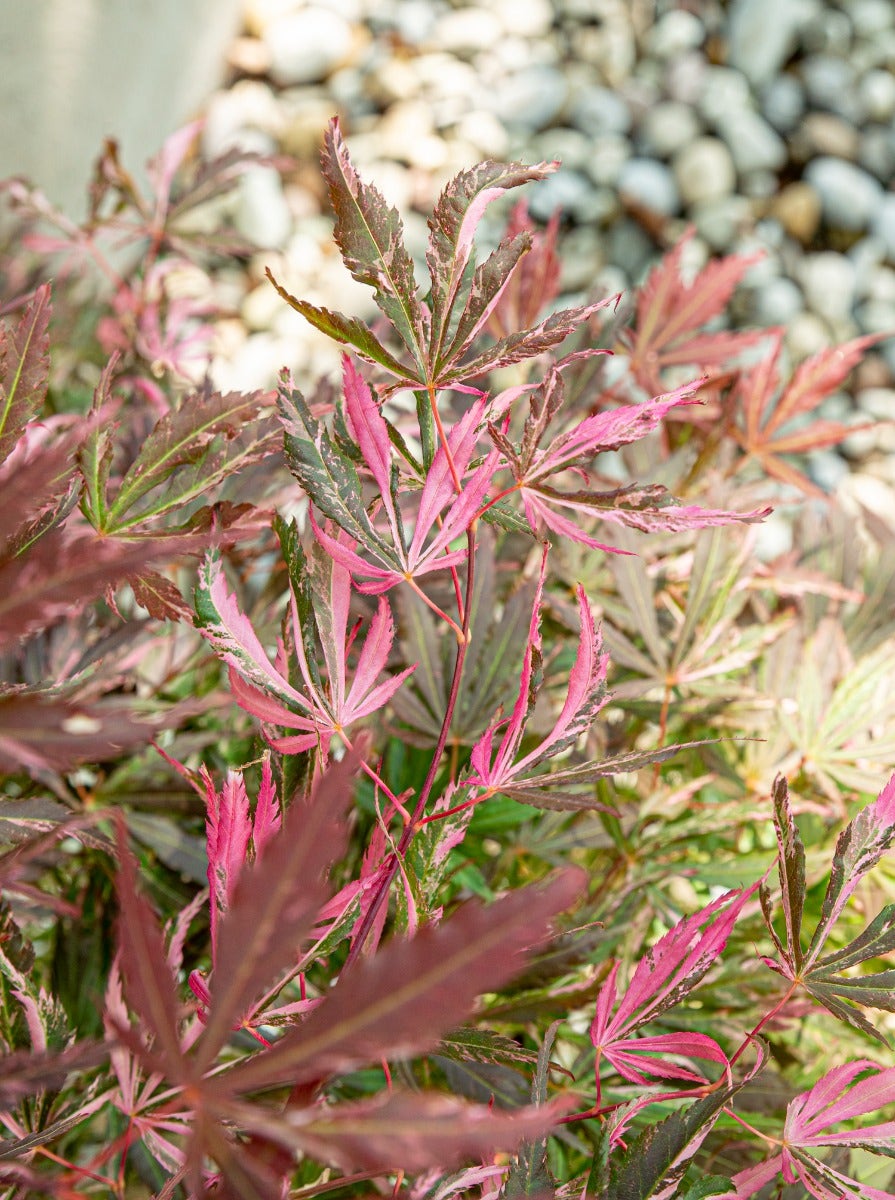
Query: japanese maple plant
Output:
(336,1011)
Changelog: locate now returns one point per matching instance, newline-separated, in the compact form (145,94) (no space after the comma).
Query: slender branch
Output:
(452,466)
(416,820)
(750,1037)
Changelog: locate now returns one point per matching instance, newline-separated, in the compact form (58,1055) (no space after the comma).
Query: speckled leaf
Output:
(860,846)
(329,478)
(209,436)
(485,287)
(791,869)
(233,637)
(530,1173)
(370,236)
(452,226)
(96,450)
(486,1046)
(572,789)
(349,331)
(654,1163)
(24,369)
(527,343)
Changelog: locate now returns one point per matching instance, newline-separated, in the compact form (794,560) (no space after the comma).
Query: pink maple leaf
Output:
(665,975)
(262,688)
(573,450)
(425,553)
(834,1098)
(495,770)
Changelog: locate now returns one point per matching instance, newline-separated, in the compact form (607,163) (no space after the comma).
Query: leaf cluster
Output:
(503,623)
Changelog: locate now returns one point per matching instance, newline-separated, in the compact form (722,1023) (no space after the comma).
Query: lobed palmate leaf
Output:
(200,443)
(767,409)
(663,977)
(451,228)
(670,311)
(858,849)
(839,1096)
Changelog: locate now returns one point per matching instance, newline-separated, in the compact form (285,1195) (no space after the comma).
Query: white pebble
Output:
(704,171)
(307,45)
(262,214)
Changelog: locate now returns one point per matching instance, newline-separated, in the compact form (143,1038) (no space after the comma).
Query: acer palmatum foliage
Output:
(502,629)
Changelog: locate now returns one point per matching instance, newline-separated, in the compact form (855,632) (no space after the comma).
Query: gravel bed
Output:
(764,123)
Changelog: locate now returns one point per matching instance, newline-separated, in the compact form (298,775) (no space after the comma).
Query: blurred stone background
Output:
(763,123)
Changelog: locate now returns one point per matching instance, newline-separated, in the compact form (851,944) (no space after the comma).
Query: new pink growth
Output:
(423,554)
(665,975)
(493,770)
(234,837)
(263,689)
(834,1098)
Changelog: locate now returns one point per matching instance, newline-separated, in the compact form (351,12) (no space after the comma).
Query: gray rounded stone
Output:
(262,214)
(850,196)
(876,316)
(570,146)
(650,184)
(870,17)
(831,83)
(877,92)
(829,281)
(675,32)
(608,154)
(753,143)
(531,98)
(466,31)
(567,190)
(783,102)
(719,222)
(414,21)
(685,76)
(763,33)
(582,259)
(806,334)
(830,30)
(878,403)
(876,151)
(776,302)
(629,248)
(599,110)
(724,91)
(827,469)
(525,18)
